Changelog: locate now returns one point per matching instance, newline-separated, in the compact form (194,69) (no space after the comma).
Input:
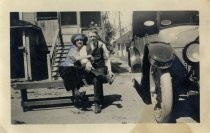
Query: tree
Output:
(108,32)
(108,29)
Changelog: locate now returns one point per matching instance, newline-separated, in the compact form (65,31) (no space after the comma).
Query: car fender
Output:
(160,52)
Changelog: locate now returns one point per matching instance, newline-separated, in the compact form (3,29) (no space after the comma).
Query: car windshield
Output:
(172,18)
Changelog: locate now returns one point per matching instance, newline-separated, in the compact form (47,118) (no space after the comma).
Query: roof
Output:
(20,24)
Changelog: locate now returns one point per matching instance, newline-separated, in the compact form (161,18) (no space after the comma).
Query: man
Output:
(101,67)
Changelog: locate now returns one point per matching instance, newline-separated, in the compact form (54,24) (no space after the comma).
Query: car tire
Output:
(134,60)
(161,94)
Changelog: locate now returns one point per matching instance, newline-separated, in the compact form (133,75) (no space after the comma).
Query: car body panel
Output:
(179,37)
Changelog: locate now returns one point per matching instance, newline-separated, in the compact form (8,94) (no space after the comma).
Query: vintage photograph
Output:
(104,67)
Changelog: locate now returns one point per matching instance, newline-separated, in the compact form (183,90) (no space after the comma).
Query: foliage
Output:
(109,31)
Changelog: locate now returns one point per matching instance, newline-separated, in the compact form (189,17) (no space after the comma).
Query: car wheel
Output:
(161,94)
(134,60)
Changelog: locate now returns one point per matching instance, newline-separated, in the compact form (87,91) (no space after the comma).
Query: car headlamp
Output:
(191,53)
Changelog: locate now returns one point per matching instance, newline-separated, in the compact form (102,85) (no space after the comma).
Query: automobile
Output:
(165,49)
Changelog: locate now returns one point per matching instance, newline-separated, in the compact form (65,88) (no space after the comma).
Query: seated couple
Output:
(87,63)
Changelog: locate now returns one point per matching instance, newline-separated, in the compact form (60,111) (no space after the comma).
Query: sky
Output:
(125,17)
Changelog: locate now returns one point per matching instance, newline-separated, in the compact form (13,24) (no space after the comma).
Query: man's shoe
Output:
(97,108)
(110,79)
(82,94)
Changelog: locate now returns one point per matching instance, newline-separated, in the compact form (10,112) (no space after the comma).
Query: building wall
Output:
(29,16)
(49,28)
(49,23)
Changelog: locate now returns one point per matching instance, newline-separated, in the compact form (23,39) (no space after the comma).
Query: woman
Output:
(76,61)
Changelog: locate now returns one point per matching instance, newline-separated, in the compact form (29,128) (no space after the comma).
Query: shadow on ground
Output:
(116,68)
(17,122)
(110,99)
(143,91)
(84,103)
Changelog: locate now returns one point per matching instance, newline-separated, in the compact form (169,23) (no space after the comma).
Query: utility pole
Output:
(121,52)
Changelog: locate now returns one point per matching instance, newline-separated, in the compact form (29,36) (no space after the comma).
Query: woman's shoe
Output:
(80,95)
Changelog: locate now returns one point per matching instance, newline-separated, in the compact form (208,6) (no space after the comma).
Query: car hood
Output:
(179,36)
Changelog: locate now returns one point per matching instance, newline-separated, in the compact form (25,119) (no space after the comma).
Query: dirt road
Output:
(123,104)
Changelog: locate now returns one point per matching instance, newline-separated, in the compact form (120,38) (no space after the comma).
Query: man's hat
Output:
(79,36)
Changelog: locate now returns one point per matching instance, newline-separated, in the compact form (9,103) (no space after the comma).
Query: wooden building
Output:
(38,43)
(122,43)
(40,40)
